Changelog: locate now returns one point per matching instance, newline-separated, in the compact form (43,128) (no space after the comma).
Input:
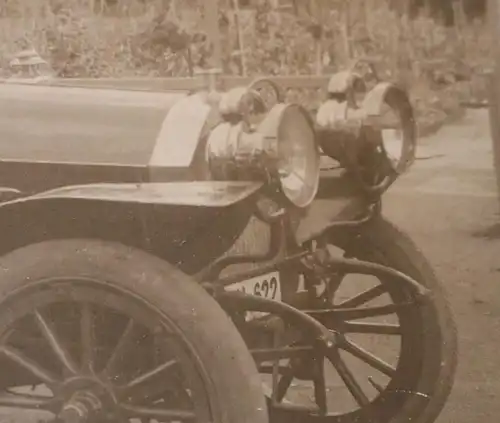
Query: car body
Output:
(56,136)
(215,212)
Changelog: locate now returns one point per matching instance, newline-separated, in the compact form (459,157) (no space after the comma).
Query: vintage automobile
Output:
(213,257)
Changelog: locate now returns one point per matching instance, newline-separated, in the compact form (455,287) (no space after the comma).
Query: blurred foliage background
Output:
(439,49)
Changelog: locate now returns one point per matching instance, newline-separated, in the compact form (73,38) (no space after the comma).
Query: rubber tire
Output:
(229,368)
(395,248)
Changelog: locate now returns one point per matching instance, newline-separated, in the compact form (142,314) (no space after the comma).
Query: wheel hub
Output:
(84,399)
(80,408)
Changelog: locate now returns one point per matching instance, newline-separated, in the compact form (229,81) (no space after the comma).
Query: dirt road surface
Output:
(448,203)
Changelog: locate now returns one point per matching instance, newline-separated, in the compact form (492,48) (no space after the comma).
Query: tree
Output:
(444,9)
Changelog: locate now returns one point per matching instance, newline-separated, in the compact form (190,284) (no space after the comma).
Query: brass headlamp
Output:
(275,144)
(374,138)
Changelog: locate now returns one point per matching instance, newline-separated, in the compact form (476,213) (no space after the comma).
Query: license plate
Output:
(267,286)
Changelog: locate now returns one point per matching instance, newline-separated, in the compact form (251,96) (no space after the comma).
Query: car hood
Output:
(81,125)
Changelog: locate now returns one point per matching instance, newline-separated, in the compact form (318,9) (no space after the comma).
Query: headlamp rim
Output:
(281,109)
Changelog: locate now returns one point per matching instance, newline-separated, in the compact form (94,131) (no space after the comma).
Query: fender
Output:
(325,212)
(216,194)
(186,223)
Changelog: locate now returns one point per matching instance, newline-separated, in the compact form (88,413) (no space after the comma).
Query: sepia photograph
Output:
(249,211)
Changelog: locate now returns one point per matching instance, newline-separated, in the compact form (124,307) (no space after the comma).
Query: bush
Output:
(82,38)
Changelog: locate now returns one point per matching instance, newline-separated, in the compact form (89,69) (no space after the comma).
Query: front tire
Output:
(384,242)
(51,292)
(410,387)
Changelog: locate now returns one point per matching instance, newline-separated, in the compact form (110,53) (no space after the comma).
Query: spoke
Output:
(363,298)
(320,385)
(127,339)
(87,337)
(31,366)
(267,369)
(275,379)
(283,385)
(147,377)
(363,313)
(349,380)
(343,314)
(157,413)
(368,358)
(372,328)
(28,402)
(56,345)
(268,354)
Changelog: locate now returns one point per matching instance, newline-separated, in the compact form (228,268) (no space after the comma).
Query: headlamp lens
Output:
(298,164)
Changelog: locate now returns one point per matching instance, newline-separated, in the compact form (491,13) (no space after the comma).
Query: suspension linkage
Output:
(328,338)
(347,265)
